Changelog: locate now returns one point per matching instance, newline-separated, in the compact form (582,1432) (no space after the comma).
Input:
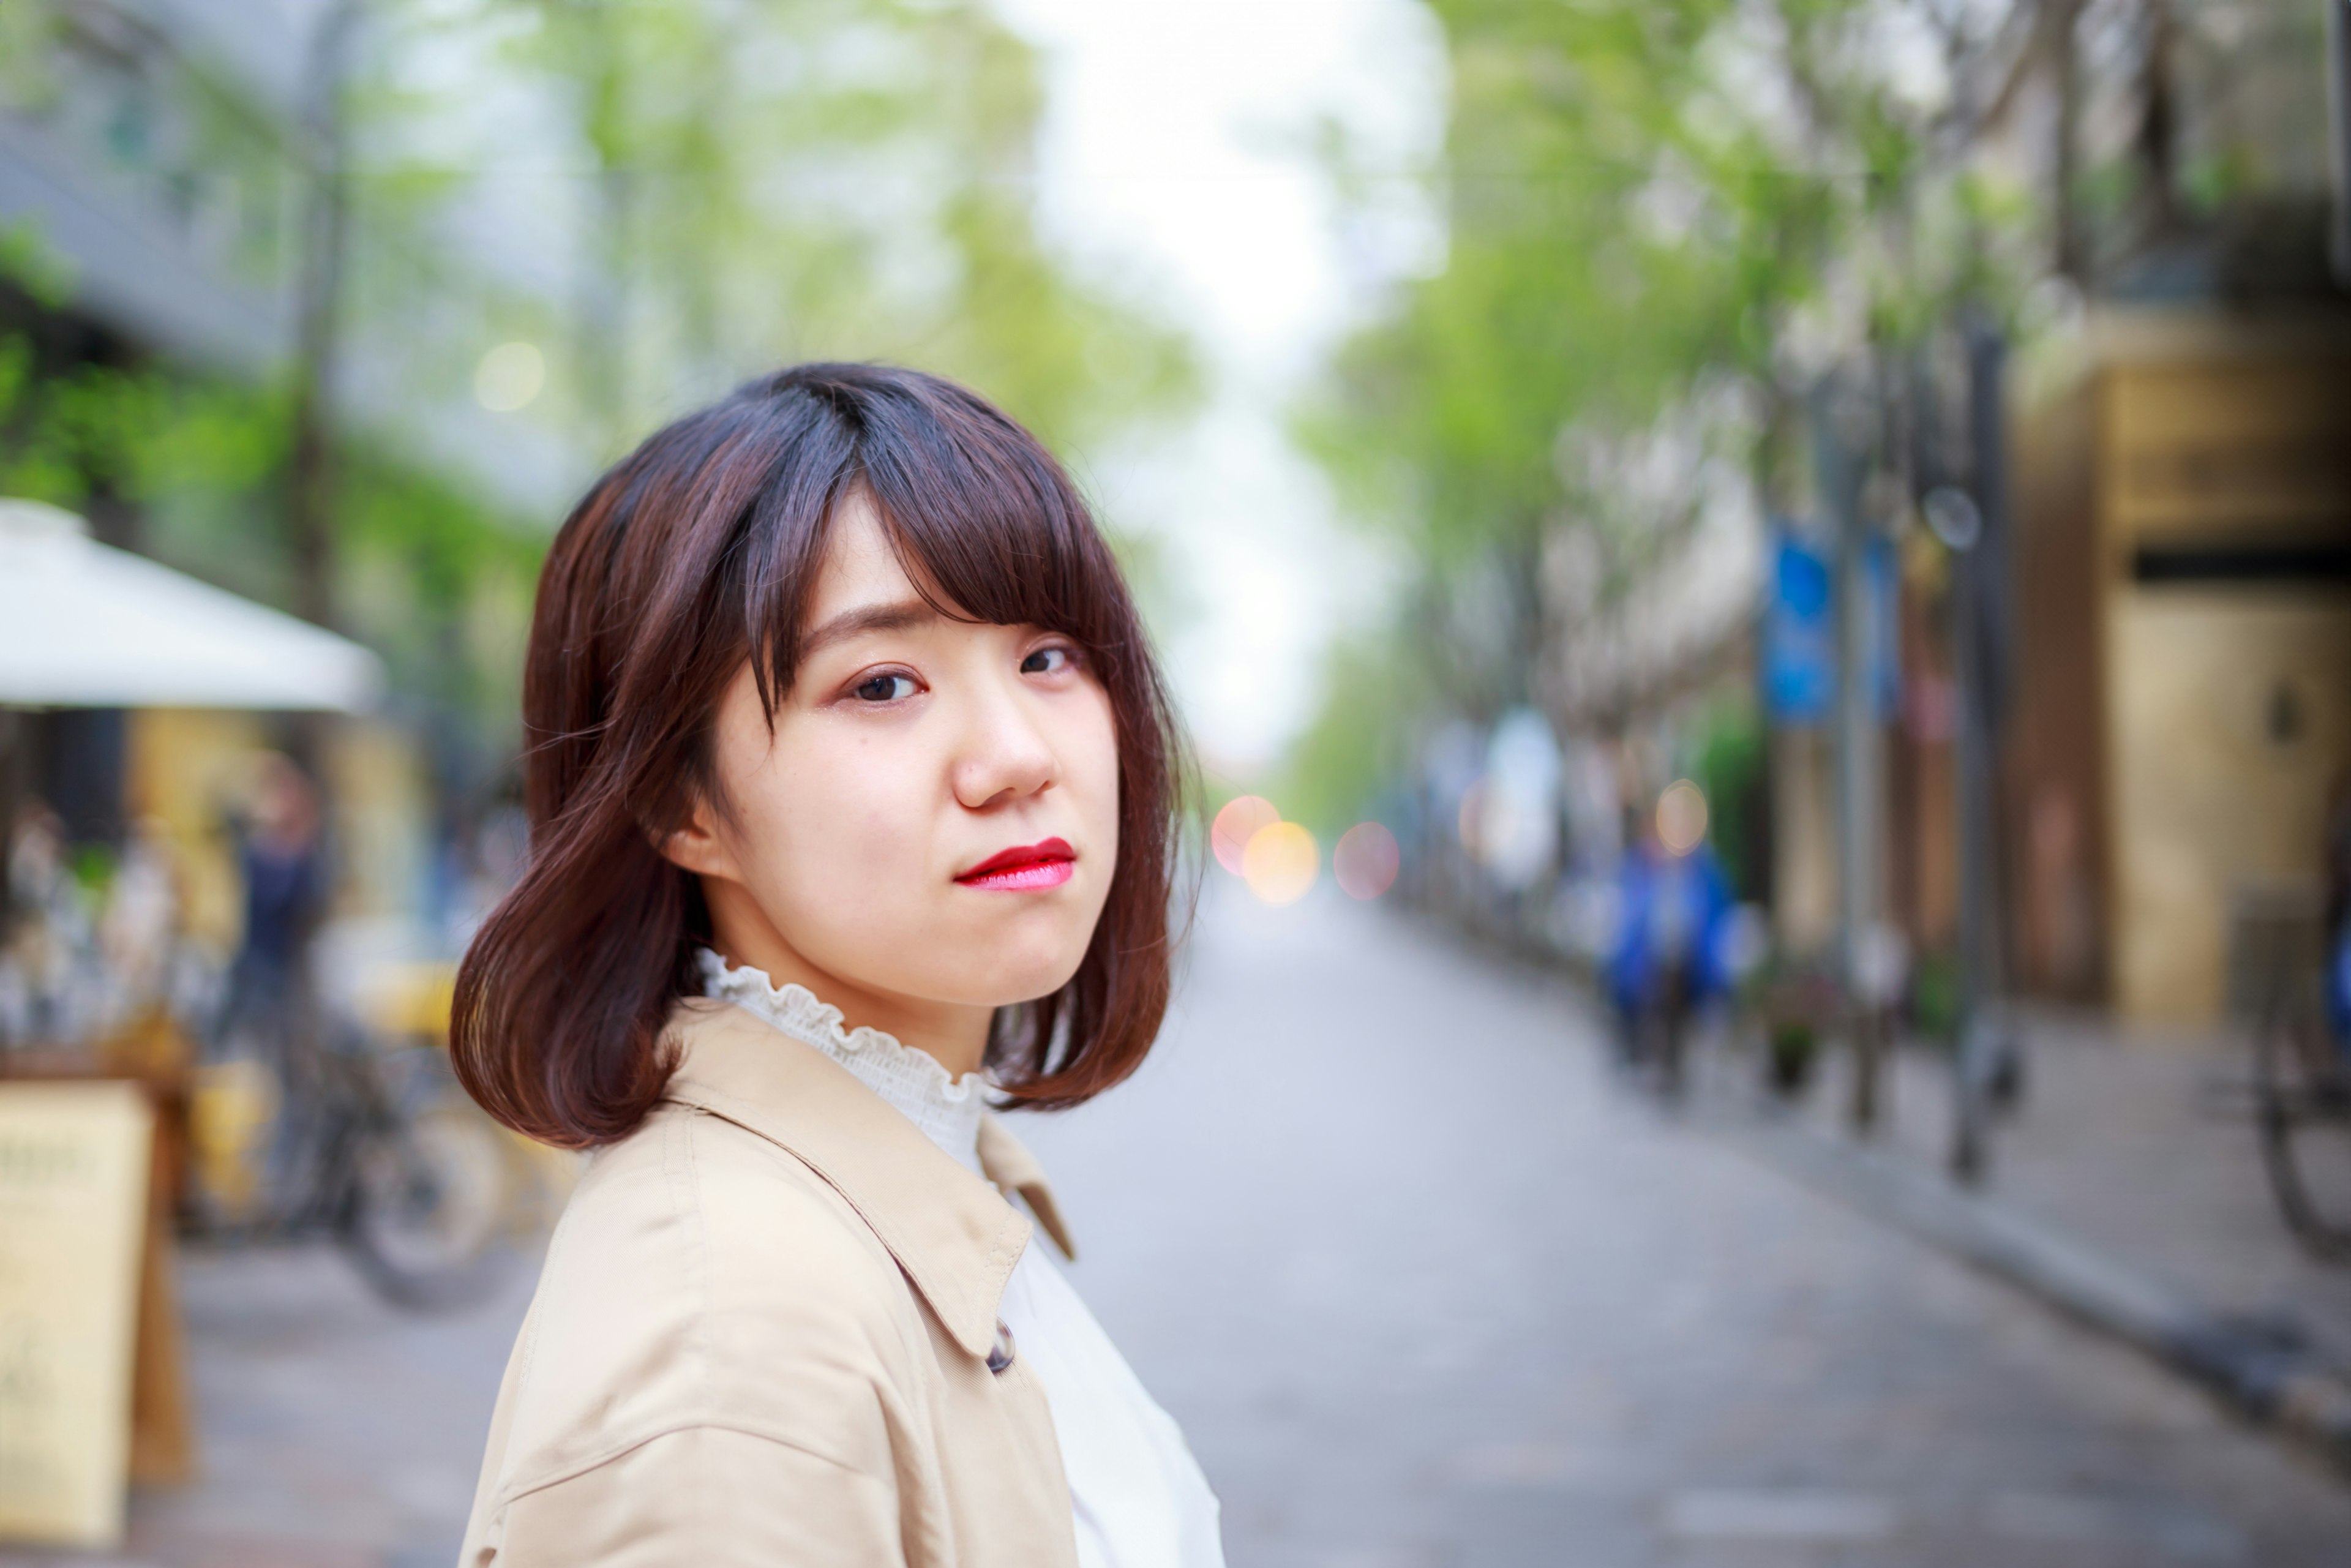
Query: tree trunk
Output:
(2159,126)
(310,500)
(2070,259)
(310,464)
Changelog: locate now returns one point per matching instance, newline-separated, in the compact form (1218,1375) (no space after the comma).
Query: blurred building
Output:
(2182,577)
(2184,725)
(2174,608)
(146,181)
(2169,584)
(159,163)
(161,157)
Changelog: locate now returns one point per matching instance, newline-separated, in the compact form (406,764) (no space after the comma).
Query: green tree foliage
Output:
(432,577)
(1639,195)
(709,189)
(1654,207)
(1730,767)
(1360,735)
(823,178)
(200,457)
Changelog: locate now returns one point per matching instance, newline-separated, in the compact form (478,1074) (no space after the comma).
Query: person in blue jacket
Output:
(1666,959)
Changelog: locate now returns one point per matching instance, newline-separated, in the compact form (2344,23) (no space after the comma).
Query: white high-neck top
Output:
(1139,1497)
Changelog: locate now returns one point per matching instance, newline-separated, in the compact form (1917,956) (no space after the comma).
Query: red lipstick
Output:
(1025,868)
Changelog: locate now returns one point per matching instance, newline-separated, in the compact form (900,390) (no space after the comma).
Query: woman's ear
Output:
(697,847)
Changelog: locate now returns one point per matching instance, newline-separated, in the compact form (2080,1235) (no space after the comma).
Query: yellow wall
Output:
(2200,451)
(189,769)
(192,770)
(1804,849)
(383,807)
(2206,803)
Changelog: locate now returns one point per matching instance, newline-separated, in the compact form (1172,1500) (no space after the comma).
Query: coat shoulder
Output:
(703,1277)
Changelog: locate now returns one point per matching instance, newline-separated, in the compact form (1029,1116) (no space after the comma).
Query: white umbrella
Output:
(83,625)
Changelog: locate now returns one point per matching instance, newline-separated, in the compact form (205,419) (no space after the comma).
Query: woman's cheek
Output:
(875,842)
(1102,791)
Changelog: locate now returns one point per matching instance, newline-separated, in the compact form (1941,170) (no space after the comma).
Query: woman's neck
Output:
(953,1034)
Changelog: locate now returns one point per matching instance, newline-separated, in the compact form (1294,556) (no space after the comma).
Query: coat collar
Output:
(956,1237)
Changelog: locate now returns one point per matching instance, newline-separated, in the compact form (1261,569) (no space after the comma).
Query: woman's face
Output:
(933,821)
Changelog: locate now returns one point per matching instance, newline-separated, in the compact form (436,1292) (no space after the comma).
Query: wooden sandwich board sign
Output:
(73,1229)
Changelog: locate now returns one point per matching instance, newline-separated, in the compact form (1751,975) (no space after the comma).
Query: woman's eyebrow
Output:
(899,616)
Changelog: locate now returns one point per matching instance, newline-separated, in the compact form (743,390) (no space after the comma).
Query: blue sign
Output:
(1799,636)
(1800,631)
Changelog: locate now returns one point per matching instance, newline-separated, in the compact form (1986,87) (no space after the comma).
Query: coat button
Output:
(1000,1354)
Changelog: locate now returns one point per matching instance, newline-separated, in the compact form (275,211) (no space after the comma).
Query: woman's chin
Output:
(1015,981)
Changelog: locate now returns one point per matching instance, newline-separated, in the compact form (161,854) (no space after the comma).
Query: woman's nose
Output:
(1005,753)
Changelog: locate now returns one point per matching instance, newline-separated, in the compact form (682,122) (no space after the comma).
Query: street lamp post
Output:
(1987,1060)
(323,136)
(1837,459)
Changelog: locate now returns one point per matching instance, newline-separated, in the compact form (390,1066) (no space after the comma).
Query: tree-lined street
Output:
(1426,1285)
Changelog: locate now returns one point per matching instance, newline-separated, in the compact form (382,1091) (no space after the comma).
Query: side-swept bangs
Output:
(696,553)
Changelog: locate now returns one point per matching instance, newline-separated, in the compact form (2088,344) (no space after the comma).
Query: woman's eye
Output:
(1046,662)
(884,688)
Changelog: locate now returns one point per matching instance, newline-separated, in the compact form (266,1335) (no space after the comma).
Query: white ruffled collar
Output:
(947,1109)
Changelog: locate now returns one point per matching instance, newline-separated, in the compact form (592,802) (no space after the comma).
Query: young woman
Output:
(851,784)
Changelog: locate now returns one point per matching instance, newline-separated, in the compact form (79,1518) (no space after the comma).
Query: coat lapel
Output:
(953,1235)
(1010,1166)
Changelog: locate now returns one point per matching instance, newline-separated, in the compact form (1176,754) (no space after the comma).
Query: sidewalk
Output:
(2118,1191)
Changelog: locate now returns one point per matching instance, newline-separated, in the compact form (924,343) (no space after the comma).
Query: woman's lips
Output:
(1026,868)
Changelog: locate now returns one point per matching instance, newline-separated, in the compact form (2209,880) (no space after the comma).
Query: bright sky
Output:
(1178,151)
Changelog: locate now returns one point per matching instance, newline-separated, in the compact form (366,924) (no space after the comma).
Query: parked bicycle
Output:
(2288,967)
(2301,1105)
(335,1131)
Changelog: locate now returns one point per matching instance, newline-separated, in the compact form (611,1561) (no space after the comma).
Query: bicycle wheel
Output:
(432,1198)
(2303,1095)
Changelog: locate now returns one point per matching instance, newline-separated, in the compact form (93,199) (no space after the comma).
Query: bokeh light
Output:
(1242,818)
(1364,860)
(1280,862)
(509,376)
(1681,816)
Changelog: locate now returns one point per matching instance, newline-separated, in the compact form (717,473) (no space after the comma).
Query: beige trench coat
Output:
(763,1335)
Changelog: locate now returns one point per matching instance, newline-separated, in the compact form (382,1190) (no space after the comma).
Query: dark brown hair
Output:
(697,552)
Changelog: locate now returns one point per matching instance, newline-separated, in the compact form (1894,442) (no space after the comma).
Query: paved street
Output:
(1425,1287)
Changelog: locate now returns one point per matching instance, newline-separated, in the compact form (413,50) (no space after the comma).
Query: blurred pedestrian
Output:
(138,928)
(1672,901)
(82,963)
(45,1000)
(851,791)
(278,857)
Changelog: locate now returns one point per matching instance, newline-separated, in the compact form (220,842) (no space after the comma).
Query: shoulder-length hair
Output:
(696,553)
